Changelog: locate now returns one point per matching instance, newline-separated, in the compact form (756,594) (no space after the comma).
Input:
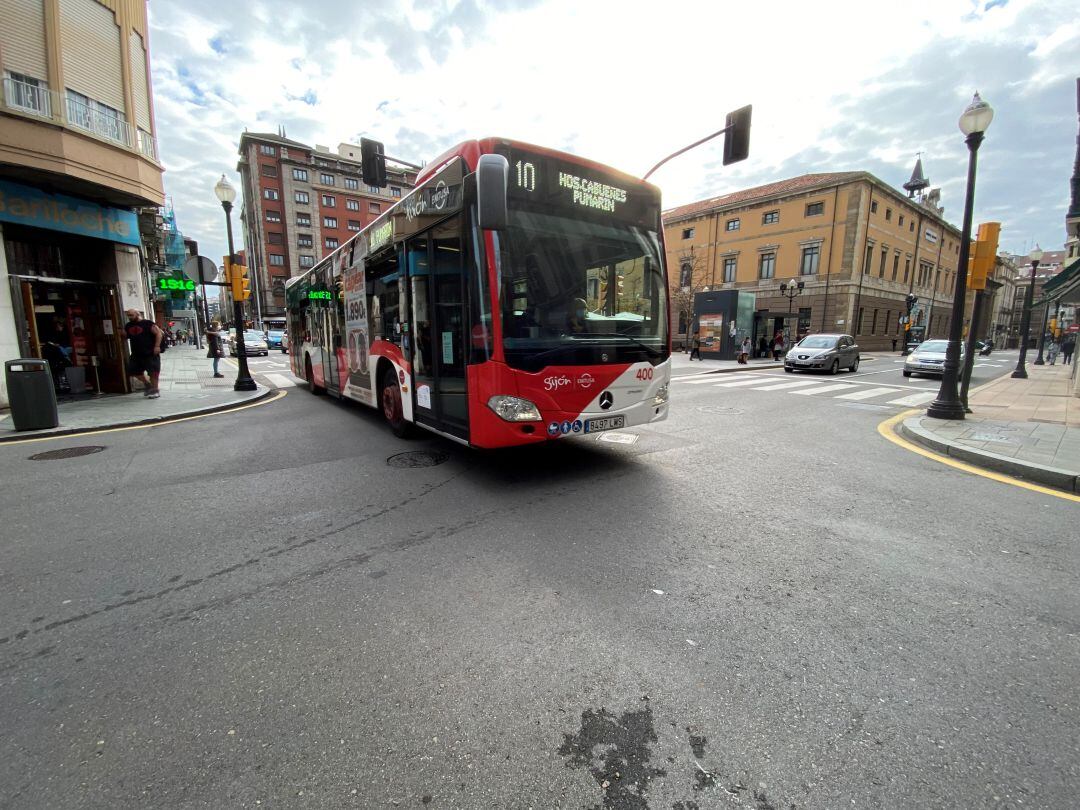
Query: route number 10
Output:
(526,175)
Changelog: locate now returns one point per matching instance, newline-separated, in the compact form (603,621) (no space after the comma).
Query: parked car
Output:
(285,342)
(273,338)
(929,358)
(823,352)
(254,343)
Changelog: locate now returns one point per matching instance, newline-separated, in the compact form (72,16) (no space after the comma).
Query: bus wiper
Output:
(653,352)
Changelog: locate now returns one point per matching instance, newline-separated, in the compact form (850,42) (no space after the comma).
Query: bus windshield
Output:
(576,291)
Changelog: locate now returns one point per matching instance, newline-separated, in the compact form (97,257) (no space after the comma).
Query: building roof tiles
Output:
(792,185)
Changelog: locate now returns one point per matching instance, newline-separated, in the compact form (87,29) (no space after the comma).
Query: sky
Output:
(835,86)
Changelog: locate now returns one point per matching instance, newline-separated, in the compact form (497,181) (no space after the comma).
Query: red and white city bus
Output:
(516,295)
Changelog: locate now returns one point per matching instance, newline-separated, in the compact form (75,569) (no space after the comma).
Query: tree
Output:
(689,278)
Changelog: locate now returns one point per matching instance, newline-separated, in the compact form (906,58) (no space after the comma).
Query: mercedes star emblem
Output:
(606,400)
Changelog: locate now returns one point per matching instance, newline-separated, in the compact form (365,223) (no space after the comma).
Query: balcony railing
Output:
(29,98)
(102,124)
(147,144)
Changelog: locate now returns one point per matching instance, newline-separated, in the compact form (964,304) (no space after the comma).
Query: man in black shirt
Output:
(145,339)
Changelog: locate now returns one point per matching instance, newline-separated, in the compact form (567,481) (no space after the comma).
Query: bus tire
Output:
(309,375)
(390,402)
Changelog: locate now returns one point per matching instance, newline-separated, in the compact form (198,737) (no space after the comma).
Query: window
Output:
(768,265)
(101,119)
(273,216)
(770,217)
(267,150)
(373,208)
(373,189)
(304,240)
(353,225)
(873,206)
(303,219)
(352,183)
(302,197)
(329,201)
(688,233)
(900,221)
(888,215)
(277,260)
(884,256)
(907,267)
(395,191)
(895,264)
(268,170)
(869,258)
(815,209)
(326,179)
(804,320)
(731,225)
(352,205)
(729,268)
(329,222)
(330,242)
(270,193)
(888,321)
(299,174)
(858,329)
(873,324)
(810,257)
(320,162)
(27,93)
(274,238)
(911,226)
(307,261)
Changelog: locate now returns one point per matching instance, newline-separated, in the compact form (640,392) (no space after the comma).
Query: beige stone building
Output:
(78,160)
(856,245)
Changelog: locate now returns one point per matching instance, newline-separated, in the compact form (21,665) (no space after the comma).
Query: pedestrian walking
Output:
(746,348)
(1067,347)
(695,345)
(1052,350)
(763,347)
(145,340)
(215,345)
(778,345)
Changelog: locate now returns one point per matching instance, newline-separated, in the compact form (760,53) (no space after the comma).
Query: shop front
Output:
(72,267)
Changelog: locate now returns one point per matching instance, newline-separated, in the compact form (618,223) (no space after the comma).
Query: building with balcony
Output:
(857,247)
(301,203)
(78,162)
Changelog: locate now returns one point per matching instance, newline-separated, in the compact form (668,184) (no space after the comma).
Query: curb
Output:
(1055,477)
(728,370)
(22,436)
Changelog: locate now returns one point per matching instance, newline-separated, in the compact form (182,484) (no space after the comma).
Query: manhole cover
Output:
(418,458)
(67,452)
(719,410)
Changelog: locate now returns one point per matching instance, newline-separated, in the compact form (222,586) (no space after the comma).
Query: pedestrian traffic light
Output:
(241,284)
(372,163)
(911,301)
(983,255)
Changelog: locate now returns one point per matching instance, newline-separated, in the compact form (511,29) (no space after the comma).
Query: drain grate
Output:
(418,458)
(68,452)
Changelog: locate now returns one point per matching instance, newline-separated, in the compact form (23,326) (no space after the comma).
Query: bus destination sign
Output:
(545,181)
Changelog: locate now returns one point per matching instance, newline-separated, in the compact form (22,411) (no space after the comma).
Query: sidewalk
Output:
(188,388)
(1026,428)
(682,366)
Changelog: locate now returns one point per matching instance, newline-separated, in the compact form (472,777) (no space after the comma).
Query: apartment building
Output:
(857,247)
(300,203)
(78,160)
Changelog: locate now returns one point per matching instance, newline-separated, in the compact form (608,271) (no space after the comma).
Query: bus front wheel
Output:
(390,398)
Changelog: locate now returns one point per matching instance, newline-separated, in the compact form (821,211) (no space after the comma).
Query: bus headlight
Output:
(661,395)
(514,409)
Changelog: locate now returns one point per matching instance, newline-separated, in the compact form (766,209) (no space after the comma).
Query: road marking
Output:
(780,386)
(162,423)
(280,380)
(888,430)
(826,388)
(869,392)
(884,371)
(733,383)
(708,378)
(914,399)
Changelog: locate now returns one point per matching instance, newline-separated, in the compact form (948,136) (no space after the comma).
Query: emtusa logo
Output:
(585,381)
(555,383)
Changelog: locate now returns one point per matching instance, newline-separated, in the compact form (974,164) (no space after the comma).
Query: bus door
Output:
(436,273)
(333,341)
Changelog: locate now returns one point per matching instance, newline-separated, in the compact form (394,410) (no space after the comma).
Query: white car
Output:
(254,343)
(929,358)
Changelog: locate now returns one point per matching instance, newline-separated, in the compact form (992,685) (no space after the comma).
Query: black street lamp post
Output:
(1025,319)
(1042,335)
(227,194)
(791,290)
(973,123)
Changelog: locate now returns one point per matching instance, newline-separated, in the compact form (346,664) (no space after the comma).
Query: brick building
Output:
(300,202)
(858,246)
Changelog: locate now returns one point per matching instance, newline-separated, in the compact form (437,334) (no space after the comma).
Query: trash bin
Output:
(31,394)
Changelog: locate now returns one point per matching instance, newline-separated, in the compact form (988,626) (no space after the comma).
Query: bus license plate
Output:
(605,423)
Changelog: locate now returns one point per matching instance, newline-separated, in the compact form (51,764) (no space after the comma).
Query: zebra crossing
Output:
(857,391)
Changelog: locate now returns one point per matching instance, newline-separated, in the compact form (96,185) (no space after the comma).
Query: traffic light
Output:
(372,163)
(737,138)
(238,279)
(983,255)
(911,301)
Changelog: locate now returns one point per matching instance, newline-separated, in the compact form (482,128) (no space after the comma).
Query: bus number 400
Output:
(644,374)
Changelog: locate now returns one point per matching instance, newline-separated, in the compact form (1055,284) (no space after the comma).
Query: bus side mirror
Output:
(492,175)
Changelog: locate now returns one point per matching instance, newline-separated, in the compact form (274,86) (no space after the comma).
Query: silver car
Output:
(823,352)
(929,358)
(254,343)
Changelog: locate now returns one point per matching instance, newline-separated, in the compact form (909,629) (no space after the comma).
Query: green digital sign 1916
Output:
(176,284)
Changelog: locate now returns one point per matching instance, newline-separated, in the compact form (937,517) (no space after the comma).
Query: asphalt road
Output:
(757,603)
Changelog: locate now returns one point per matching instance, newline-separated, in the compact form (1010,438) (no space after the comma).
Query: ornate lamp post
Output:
(227,195)
(973,123)
(1025,319)
(791,290)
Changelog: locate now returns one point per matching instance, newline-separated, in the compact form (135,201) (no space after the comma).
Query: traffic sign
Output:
(1073,328)
(200,269)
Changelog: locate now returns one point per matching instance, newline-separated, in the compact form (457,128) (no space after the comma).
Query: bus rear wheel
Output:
(390,399)
(309,375)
